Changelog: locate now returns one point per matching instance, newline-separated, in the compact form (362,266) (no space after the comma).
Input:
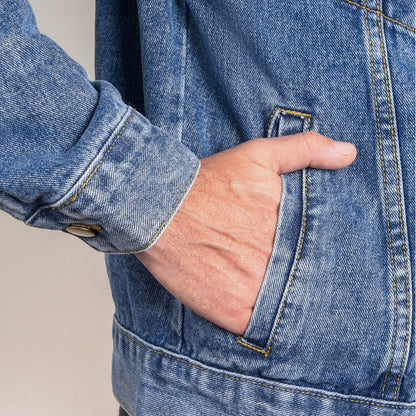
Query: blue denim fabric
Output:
(74,153)
(332,332)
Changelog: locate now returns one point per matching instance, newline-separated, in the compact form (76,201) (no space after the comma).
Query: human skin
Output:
(214,253)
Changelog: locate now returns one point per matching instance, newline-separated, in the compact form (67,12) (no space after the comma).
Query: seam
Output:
(168,216)
(239,340)
(183,72)
(182,327)
(99,164)
(297,259)
(283,110)
(126,408)
(12,210)
(379,14)
(386,203)
(399,202)
(95,170)
(92,174)
(257,383)
(267,352)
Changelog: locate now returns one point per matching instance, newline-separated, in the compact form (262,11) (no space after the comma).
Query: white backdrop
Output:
(55,302)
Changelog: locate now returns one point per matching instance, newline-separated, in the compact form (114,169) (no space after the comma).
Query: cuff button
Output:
(80,231)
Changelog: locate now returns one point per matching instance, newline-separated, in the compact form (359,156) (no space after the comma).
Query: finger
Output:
(310,149)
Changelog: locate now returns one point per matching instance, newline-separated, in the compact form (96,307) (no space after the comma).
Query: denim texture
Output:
(74,153)
(332,332)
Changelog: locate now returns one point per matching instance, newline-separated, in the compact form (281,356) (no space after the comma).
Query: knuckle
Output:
(310,140)
(258,151)
(315,142)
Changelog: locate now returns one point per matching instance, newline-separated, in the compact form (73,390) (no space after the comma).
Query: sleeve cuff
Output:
(127,196)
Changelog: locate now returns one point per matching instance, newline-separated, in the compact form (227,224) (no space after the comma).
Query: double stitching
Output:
(367,9)
(239,340)
(267,352)
(387,209)
(400,217)
(256,383)
(75,196)
(385,196)
(284,111)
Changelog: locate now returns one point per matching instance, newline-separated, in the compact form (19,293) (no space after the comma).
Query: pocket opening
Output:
(288,242)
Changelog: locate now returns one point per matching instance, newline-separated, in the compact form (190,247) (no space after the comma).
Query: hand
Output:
(214,253)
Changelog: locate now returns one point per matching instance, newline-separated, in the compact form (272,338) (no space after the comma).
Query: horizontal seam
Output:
(381,14)
(169,215)
(283,110)
(327,396)
(240,341)
(97,167)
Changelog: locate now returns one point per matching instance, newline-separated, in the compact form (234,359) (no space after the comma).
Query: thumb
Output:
(311,149)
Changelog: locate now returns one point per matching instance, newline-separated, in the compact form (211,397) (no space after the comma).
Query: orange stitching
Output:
(295,267)
(169,215)
(257,383)
(239,340)
(101,162)
(380,14)
(13,210)
(164,222)
(400,204)
(386,201)
(95,170)
(395,291)
(283,110)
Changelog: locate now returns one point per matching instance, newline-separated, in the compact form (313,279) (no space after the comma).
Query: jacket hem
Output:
(183,379)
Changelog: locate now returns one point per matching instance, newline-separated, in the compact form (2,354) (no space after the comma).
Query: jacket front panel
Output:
(332,331)
(336,308)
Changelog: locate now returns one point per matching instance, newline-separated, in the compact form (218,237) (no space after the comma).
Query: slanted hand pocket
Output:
(273,297)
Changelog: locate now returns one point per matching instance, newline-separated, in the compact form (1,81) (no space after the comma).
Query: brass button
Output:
(80,231)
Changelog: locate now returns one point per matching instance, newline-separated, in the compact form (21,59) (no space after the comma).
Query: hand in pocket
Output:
(214,253)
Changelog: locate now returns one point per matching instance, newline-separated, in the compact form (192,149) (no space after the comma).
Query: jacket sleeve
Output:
(73,156)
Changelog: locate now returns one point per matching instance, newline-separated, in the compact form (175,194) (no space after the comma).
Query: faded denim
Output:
(332,332)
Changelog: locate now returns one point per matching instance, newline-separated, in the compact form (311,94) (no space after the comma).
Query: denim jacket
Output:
(332,332)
